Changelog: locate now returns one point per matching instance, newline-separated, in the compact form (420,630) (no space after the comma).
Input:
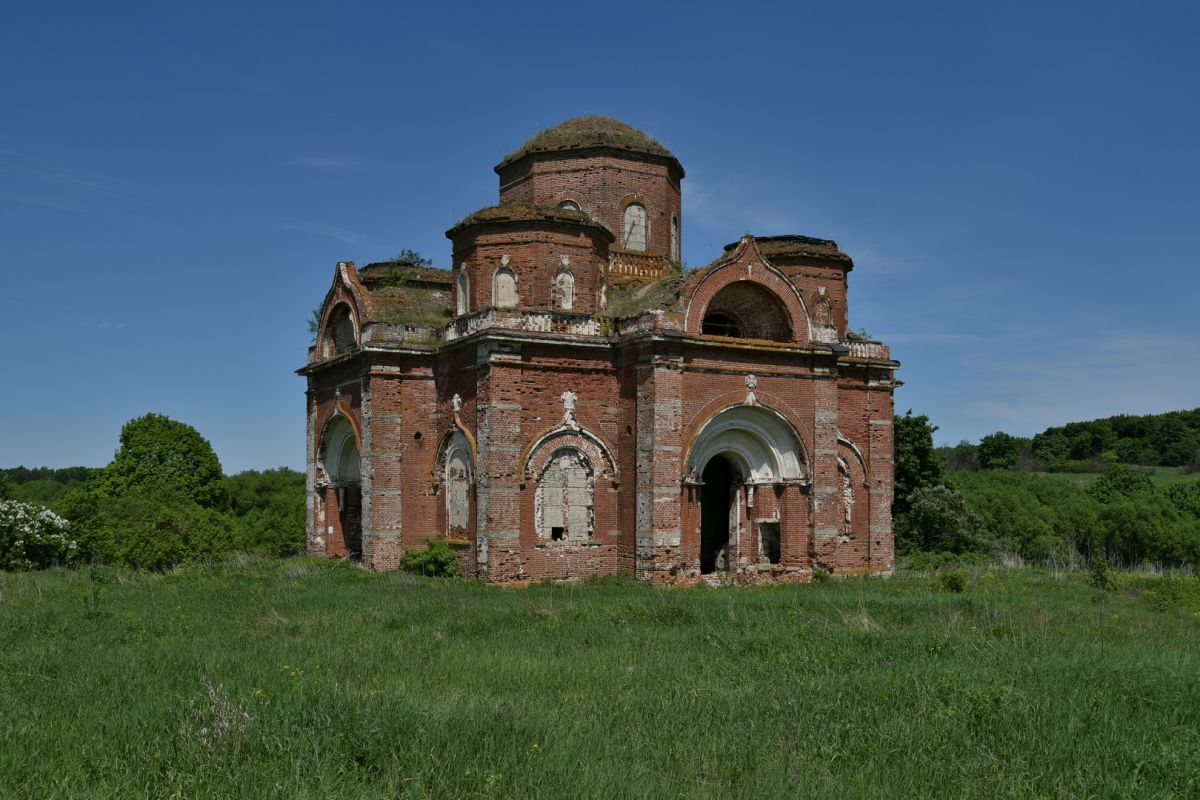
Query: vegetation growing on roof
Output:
(521,212)
(411,305)
(314,322)
(633,299)
(411,258)
(591,131)
(795,245)
(408,267)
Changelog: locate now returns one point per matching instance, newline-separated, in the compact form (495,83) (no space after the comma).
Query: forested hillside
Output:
(1155,440)
(1134,498)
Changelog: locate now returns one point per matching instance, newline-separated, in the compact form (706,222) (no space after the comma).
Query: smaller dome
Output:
(520,213)
(582,133)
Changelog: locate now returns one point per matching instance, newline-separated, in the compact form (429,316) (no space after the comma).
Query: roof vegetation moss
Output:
(796,245)
(410,305)
(404,295)
(587,132)
(521,212)
(632,299)
(398,273)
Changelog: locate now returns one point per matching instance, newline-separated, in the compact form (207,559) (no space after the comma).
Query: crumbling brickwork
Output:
(558,405)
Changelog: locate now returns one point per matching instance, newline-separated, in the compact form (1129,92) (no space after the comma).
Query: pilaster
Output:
(659,466)
(497,476)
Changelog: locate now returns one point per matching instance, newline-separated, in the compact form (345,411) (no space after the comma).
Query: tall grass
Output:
(310,679)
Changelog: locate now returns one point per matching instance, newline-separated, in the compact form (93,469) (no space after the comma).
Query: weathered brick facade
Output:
(565,402)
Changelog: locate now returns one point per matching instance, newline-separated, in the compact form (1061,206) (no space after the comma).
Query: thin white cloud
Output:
(1065,380)
(321,229)
(47,172)
(717,209)
(328,162)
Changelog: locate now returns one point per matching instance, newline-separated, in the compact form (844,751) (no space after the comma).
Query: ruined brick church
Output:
(567,401)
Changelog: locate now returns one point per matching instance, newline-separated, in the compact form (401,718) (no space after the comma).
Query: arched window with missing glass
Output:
(634,230)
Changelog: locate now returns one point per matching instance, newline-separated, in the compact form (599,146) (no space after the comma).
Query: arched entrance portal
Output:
(718,506)
(341,490)
(745,466)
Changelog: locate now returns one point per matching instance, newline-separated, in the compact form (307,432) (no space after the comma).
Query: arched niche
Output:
(747,310)
(504,289)
(564,289)
(457,476)
(581,439)
(338,456)
(339,335)
(463,290)
(852,474)
(756,440)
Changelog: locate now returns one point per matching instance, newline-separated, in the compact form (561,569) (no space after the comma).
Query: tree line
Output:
(162,500)
(1153,440)
(989,498)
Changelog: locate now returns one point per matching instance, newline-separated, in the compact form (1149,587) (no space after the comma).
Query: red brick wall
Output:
(535,255)
(603,183)
(810,276)
(645,402)
(746,266)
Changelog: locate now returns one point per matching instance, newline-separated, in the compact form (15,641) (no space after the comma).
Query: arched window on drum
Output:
(633,235)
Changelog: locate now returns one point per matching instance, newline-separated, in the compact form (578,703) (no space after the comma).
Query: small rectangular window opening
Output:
(770,540)
(556,534)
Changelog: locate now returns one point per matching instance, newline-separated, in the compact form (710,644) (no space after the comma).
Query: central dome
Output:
(586,132)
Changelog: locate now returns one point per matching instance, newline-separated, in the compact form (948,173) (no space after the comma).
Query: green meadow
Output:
(261,678)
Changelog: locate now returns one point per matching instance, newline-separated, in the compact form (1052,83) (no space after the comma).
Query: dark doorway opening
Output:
(716,497)
(770,540)
(351,511)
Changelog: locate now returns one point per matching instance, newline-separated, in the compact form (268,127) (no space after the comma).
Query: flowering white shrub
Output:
(32,537)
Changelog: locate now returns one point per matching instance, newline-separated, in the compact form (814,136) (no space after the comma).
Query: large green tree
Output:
(917,462)
(1118,481)
(999,450)
(163,456)
(268,507)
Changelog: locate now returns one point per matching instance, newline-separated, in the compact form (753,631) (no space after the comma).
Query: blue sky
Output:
(1017,183)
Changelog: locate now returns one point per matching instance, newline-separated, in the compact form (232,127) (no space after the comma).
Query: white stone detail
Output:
(569,399)
(338,460)
(563,503)
(504,287)
(751,385)
(757,440)
(458,485)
